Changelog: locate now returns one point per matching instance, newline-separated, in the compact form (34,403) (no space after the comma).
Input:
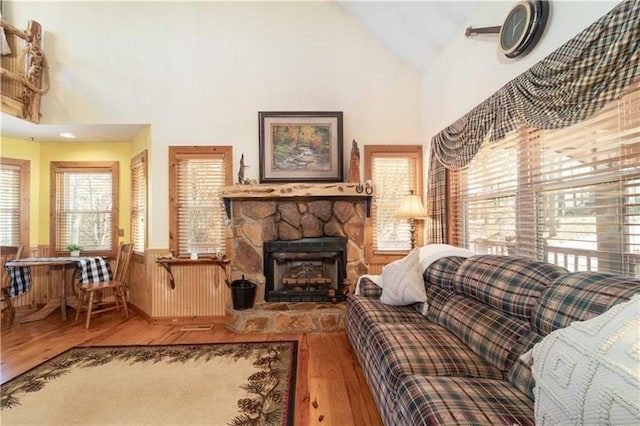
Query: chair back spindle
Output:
(123,258)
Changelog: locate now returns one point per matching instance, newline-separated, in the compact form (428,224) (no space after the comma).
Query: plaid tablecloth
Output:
(92,270)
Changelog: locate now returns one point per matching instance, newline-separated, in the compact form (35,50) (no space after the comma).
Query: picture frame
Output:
(300,146)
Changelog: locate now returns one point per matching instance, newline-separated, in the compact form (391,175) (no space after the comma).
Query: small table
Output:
(166,263)
(53,303)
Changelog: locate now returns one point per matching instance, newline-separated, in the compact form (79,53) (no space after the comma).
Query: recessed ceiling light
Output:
(68,135)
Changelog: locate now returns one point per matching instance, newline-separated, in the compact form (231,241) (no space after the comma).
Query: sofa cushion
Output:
(511,284)
(442,272)
(488,332)
(364,312)
(520,372)
(393,351)
(460,400)
(580,296)
(402,281)
(402,349)
(438,299)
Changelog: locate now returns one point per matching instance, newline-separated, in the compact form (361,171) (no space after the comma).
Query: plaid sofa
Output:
(459,363)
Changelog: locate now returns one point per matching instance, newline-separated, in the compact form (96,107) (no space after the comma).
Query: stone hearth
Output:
(287,318)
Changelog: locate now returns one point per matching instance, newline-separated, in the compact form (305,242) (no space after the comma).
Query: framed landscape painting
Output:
(300,146)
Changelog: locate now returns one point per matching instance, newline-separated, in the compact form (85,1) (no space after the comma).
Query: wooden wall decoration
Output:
(25,72)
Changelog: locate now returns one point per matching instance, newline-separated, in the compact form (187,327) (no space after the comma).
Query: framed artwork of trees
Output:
(300,146)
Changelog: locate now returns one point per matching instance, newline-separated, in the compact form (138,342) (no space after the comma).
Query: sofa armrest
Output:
(368,288)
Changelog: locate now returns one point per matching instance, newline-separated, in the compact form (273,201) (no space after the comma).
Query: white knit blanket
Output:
(589,373)
(428,254)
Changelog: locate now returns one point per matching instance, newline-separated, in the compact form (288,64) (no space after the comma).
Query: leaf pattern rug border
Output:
(272,387)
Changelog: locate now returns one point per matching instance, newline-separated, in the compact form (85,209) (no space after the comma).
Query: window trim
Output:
(197,152)
(25,191)
(404,151)
(86,167)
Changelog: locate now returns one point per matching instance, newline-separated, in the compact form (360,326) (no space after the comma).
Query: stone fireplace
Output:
(320,226)
(305,270)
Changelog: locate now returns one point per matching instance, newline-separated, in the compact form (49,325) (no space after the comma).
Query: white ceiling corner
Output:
(415,30)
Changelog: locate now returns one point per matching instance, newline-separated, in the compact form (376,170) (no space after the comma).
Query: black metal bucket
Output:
(243,294)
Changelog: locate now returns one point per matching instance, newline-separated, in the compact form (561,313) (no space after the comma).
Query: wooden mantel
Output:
(296,190)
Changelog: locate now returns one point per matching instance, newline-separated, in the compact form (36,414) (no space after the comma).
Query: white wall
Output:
(199,72)
(470,70)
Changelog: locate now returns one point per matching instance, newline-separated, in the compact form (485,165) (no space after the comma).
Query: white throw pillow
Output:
(402,281)
(589,372)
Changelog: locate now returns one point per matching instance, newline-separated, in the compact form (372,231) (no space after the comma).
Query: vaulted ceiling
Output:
(415,30)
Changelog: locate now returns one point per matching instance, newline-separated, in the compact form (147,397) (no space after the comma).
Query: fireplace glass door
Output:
(309,269)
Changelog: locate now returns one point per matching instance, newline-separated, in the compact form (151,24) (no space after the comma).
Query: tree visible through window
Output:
(84,206)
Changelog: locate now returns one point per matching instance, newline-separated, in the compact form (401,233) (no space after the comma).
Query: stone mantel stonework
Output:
(261,213)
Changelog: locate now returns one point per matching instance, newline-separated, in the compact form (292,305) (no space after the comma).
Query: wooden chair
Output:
(117,284)
(7,254)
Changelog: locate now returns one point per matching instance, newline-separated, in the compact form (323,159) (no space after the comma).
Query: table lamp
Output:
(412,209)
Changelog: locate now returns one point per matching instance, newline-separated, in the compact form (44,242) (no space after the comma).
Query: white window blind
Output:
(570,196)
(394,172)
(139,201)
(199,215)
(84,205)
(9,205)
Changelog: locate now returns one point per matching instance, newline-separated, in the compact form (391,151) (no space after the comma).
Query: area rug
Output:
(215,384)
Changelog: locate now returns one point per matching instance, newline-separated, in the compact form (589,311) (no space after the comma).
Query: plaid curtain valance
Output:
(568,86)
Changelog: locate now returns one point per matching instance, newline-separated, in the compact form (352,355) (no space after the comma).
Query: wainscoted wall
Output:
(139,291)
(200,290)
(375,268)
(42,279)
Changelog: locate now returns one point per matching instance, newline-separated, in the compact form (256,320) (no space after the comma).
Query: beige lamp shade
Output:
(411,208)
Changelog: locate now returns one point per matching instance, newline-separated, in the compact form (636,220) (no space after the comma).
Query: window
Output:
(84,206)
(197,215)
(139,202)
(570,196)
(394,171)
(14,202)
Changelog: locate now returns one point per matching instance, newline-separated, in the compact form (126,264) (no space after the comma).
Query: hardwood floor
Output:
(330,387)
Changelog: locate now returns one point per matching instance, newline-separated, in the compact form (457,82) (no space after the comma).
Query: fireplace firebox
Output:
(305,270)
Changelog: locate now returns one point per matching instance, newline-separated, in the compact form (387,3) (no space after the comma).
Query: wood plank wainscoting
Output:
(200,292)
(42,279)
(375,268)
